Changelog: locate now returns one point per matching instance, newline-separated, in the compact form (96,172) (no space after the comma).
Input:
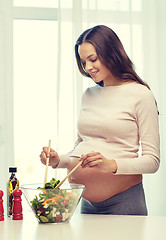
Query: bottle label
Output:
(12,185)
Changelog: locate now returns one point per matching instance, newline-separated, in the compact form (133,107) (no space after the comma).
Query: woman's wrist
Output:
(56,164)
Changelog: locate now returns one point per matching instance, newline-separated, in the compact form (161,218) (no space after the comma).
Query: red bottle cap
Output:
(1,206)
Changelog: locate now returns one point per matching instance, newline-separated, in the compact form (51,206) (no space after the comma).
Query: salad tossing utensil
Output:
(47,161)
(68,174)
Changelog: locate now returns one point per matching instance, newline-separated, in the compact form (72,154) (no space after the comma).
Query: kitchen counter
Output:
(87,227)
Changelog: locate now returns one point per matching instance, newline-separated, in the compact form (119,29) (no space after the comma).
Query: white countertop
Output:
(86,227)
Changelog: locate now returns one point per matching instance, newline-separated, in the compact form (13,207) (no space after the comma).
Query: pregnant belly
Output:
(99,185)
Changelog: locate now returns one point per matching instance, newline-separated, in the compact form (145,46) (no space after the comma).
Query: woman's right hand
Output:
(53,157)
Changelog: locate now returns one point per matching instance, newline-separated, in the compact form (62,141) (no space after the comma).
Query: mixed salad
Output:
(54,205)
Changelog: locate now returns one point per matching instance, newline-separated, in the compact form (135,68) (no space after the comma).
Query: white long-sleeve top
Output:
(116,121)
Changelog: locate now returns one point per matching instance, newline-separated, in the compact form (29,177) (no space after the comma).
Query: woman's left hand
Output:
(96,159)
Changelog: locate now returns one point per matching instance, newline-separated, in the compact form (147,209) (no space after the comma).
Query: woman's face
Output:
(93,66)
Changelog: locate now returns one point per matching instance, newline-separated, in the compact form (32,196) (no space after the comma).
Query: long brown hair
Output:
(110,52)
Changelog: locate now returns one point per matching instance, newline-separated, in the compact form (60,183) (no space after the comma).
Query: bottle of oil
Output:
(12,184)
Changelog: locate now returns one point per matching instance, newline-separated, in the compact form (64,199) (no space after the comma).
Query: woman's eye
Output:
(93,60)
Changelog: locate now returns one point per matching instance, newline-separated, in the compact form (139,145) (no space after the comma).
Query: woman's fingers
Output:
(45,154)
(52,155)
(96,159)
(93,163)
(91,159)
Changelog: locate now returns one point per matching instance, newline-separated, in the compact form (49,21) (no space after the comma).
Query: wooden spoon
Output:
(59,184)
(47,161)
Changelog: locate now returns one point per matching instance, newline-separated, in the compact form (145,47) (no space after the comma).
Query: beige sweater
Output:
(120,122)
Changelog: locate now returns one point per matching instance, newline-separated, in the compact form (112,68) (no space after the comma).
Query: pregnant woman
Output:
(118,133)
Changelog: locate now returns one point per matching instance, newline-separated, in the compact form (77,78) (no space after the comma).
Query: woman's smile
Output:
(93,74)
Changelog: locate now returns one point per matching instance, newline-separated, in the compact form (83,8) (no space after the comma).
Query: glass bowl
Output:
(53,205)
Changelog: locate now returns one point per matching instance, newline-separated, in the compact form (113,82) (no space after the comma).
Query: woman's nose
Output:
(89,66)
